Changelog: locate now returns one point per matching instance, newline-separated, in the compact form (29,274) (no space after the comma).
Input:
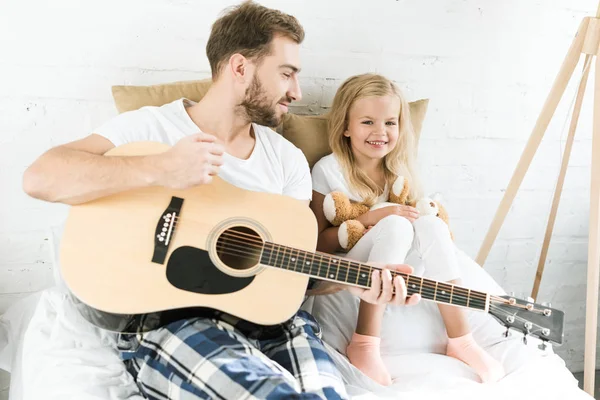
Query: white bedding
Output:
(53,353)
(64,357)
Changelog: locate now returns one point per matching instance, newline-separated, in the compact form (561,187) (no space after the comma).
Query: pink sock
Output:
(468,351)
(363,353)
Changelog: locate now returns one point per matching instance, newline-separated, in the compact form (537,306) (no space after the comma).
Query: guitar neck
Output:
(336,269)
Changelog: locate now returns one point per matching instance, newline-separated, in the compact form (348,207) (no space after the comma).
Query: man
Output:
(254,58)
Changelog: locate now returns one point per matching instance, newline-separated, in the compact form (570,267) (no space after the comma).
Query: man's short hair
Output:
(248,29)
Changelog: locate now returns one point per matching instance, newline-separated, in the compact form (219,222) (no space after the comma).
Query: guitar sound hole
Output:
(239,248)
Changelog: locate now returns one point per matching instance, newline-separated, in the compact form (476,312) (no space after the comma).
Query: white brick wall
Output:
(487,67)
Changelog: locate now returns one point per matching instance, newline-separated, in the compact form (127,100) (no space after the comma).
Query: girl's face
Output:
(373,126)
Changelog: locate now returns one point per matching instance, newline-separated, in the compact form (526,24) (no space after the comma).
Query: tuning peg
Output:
(525,339)
(507,333)
(542,346)
(530,299)
(547,304)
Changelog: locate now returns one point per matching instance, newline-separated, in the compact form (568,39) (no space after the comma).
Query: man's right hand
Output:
(193,161)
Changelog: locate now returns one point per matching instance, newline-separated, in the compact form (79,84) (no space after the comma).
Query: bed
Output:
(53,353)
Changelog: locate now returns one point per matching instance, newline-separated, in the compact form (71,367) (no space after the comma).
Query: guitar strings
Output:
(258,241)
(243,245)
(241,250)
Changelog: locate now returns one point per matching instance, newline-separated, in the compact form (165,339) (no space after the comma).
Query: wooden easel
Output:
(586,41)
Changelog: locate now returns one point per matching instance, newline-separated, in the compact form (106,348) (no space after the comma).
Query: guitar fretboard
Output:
(337,269)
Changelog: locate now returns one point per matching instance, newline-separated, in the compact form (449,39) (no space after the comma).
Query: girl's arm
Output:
(328,235)
(327,243)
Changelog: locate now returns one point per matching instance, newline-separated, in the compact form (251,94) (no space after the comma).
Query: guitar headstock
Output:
(533,319)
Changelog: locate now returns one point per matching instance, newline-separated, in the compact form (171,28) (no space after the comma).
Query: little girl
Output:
(372,140)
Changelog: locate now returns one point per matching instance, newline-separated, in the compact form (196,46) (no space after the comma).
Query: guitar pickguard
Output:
(191,269)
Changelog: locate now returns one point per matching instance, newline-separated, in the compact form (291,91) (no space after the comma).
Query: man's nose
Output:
(295,93)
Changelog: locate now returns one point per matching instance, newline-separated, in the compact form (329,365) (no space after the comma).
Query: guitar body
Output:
(132,258)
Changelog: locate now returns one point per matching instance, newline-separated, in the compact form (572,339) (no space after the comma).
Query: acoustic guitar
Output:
(132,258)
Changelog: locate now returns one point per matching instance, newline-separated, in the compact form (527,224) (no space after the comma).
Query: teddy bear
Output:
(342,212)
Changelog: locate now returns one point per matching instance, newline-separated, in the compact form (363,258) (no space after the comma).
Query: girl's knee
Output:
(396,225)
(431,225)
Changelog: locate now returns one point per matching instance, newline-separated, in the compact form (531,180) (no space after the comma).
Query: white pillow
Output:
(408,329)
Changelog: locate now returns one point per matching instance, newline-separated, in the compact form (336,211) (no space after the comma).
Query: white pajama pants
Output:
(390,240)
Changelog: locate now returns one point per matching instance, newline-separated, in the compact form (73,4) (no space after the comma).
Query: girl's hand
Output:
(373,217)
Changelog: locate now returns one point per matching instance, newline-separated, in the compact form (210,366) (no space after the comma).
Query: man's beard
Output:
(257,106)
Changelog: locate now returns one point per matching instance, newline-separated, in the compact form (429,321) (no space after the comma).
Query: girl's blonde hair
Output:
(400,161)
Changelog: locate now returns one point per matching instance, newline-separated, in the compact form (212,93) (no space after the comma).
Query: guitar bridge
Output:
(165,229)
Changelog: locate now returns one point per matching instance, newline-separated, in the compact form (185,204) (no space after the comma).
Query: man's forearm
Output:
(72,176)
(325,287)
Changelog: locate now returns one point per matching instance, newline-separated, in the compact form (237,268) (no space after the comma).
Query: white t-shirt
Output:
(274,166)
(328,176)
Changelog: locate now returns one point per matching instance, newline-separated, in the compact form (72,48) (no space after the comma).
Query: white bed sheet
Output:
(61,356)
(531,374)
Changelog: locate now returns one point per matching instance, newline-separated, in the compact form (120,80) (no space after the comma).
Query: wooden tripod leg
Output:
(558,88)
(561,177)
(591,308)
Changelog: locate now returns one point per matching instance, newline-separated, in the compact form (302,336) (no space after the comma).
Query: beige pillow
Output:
(128,98)
(308,133)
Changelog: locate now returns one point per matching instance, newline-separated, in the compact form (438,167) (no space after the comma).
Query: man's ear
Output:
(240,68)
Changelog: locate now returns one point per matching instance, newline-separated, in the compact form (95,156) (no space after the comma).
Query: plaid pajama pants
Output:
(226,358)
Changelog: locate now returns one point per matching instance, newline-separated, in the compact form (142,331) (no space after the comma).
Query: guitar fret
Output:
(328,266)
(459,297)
(468,297)
(330,272)
(413,285)
(364,278)
(303,262)
(352,273)
(270,253)
(298,261)
(283,257)
(276,250)
(341,269)
(478,300)
(284,260)
(319,265)
(421,287)
(444,292)
(310,264)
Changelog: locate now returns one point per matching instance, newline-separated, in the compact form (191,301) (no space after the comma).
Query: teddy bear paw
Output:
(335,206)
(349,233)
